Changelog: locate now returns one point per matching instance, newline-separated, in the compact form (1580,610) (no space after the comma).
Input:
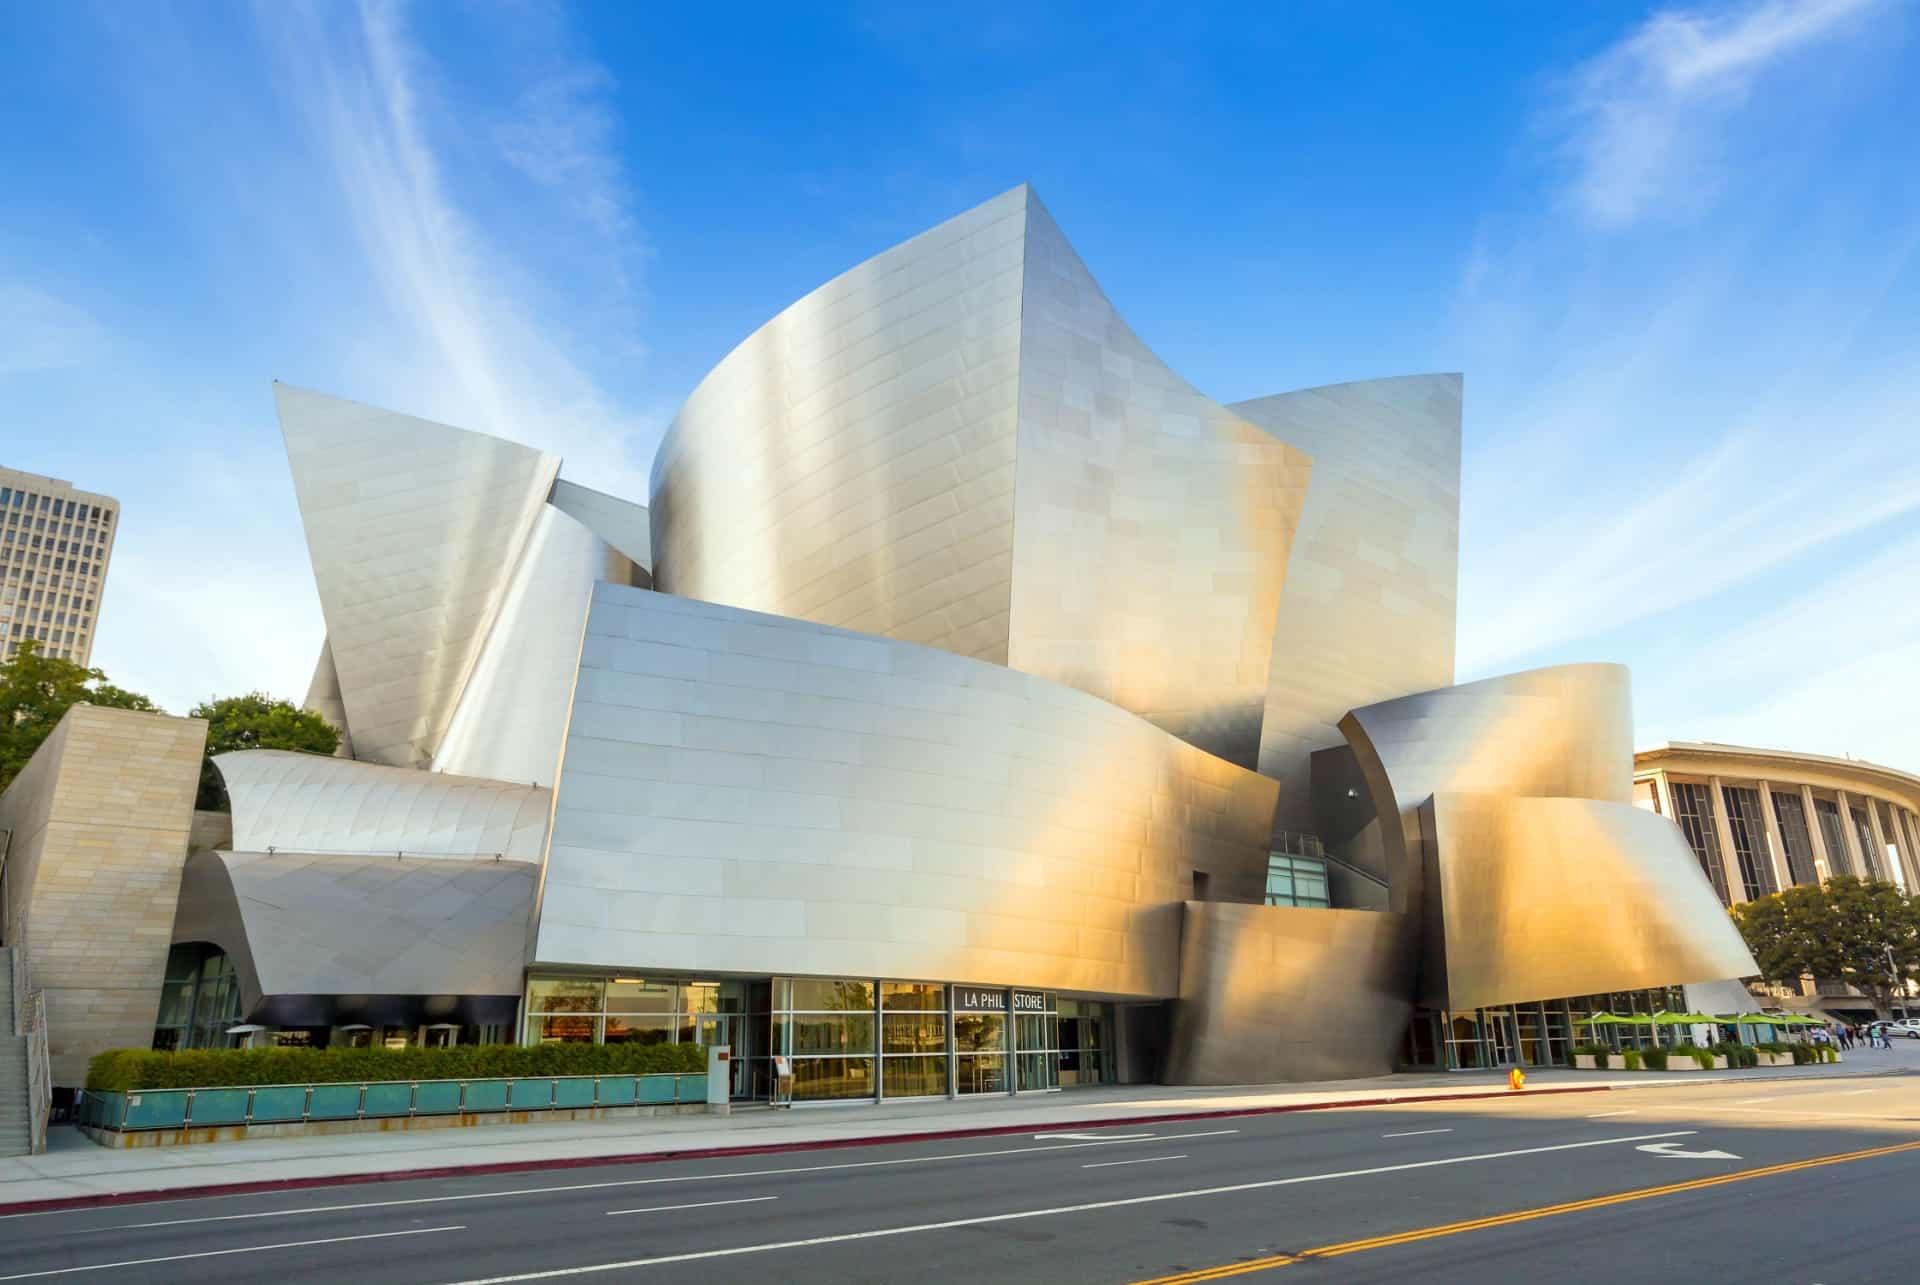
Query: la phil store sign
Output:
(979,999)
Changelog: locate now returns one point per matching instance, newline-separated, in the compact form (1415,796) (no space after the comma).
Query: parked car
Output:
(1907,1026)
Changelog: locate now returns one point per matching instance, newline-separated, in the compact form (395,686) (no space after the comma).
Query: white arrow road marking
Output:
(1673,1149)
(1094,1137)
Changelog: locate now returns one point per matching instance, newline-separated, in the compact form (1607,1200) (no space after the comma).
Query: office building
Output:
(55,544)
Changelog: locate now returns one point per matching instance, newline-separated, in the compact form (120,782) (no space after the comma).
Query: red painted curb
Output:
(60,1203)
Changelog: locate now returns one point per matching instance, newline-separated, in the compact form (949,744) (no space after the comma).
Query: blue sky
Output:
(1673,250)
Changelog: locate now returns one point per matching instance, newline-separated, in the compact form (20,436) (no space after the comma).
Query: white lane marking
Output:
(1096,1137)
(1851,1093)
(1144,1160)
(704,1204)
(1672,1151)
(1601,1115)
(1415,1133)
(1743,1102)
(637,1182)
(1121,1203)
(216,1253)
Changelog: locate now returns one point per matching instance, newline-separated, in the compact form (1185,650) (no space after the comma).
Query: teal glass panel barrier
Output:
(530,1095)
(218,1106)
(436,1097)
(277,1103)
(617,1090)
(574,1091)
(388,1099)
(332,1101)
(485,1095)
(656,1088)
(690,1088)
(156,1109)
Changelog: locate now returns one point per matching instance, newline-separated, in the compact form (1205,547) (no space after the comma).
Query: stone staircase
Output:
(15,1131)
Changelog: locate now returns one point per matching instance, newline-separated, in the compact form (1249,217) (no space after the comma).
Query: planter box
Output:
(1584,1062)
(1681,1062)
(1775,1059)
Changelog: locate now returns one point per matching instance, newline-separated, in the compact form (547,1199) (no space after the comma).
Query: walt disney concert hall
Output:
(972,707)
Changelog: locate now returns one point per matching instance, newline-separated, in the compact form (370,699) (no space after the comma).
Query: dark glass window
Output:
(1834,835)
(1864,829)
(1693,811)
(1792,819)
(1749,831)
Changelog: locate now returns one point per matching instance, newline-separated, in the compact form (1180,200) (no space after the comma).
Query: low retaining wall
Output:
(165,1117)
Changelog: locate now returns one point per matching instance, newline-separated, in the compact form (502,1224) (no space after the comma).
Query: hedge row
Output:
(118,1070)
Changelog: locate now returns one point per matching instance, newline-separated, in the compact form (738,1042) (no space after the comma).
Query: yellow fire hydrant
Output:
(1515,1080)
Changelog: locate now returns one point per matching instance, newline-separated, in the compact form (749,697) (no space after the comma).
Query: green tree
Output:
(1842,930)
(256,721)
(36,691)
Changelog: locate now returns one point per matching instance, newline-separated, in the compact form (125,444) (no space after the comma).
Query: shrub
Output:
(118,1070)
(1654,1059)
(1738,1054)
(1598,1052)
(1630,1058)
(1803,1055)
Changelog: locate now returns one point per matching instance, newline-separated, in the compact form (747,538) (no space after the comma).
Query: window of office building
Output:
(1693,811)
(1792,819)
(199,999)
(1864,829)
(1296,881)
(1833,833)
(1749,831)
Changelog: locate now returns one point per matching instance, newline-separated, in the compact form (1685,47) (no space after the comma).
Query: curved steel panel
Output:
(291,802)
(323,698)
(1560,896)
(513,712)
(853,463)
(413,528)
(1151,524)
(754,794)
(624,525)
(1270,993)
(301,927)
(1565,731)
(1373,579)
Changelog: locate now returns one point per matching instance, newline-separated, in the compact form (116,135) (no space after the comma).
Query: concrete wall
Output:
(100,820)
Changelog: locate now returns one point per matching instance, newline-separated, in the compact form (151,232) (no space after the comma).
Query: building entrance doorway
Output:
(733,1030)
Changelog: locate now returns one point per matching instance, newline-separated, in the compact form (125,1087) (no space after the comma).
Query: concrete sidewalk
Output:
(74,1169)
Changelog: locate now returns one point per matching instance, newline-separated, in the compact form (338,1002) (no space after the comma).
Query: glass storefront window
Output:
(630,1029)
(975,1032)
(914,1033)
(827,1079)
(563,1028)
(913,995)
(823,995)
(565,995)
(626,995)
(980,1072)
(805,1033)
(914,1077)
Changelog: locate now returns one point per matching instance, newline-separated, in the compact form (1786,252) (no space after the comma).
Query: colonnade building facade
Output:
(1762,820)
(973,707)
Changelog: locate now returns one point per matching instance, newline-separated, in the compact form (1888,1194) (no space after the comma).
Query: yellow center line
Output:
(1519,1216)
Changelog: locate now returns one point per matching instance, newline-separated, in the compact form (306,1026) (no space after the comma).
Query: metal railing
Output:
(30,1020)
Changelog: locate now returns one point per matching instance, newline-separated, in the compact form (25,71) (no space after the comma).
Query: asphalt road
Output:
(1706,1182)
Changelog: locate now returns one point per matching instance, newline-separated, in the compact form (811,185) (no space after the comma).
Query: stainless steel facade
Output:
(973,623)
(960,443)
(755,794)
(1373,580)
(1281,993)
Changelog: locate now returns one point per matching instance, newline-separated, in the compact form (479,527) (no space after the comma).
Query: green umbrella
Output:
(1684,1019)
(1755,1019)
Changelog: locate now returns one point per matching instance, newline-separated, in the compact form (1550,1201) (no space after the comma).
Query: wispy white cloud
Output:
(40,331)
(484,342)
(1642,119)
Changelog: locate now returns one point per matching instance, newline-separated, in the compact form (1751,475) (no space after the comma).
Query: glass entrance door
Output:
(1503,1040)
(728,1029)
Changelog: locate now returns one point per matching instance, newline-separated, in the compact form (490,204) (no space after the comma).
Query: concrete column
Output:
(1664,793)
(1736,885)
(1782,874)
(1822,863)
(1910,826)
(1890,863)
(1851,833)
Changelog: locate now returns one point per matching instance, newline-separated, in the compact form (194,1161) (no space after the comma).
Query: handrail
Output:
(30,1020)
